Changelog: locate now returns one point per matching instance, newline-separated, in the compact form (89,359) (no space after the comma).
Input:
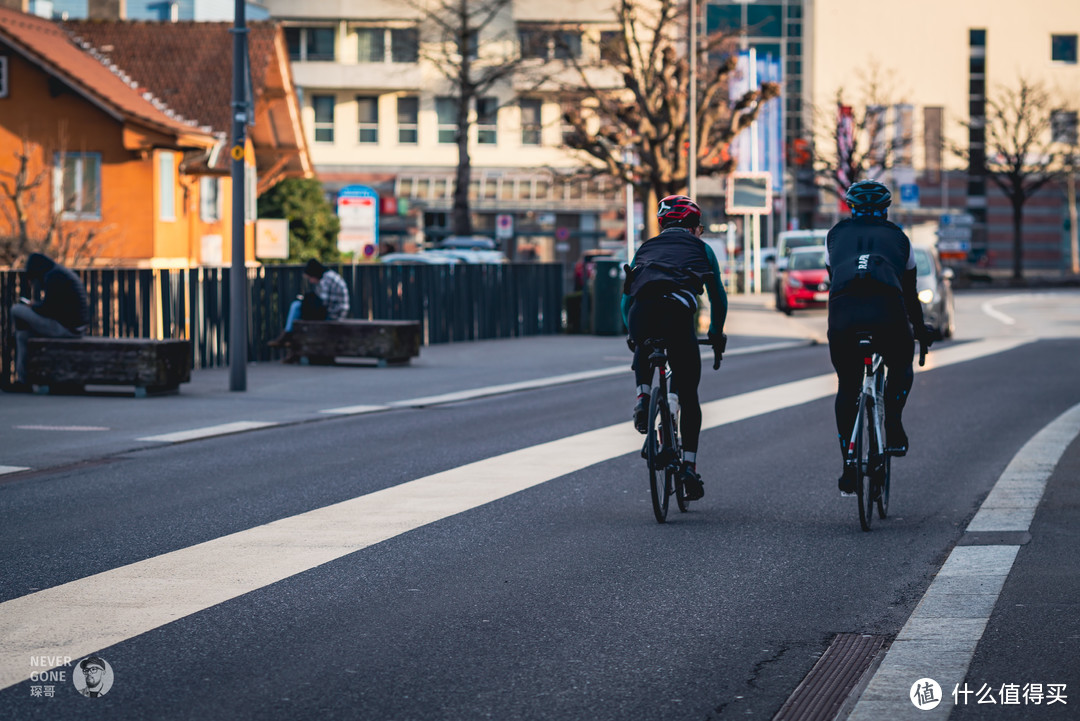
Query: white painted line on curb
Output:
(12,469)
(92,613)
(939,639)
(208,432)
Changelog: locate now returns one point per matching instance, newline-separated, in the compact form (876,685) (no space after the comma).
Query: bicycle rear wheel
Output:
(656,452)
(864,441)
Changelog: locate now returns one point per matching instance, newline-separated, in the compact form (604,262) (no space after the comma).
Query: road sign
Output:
(954,234)
(358,211)
(504,226)
(909,195)
(271,238)
(562,234)
(749,194)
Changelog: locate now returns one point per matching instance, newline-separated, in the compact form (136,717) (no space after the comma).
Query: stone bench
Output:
(387,341)
(60,365)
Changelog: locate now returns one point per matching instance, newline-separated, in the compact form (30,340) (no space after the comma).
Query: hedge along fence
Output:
(459,302)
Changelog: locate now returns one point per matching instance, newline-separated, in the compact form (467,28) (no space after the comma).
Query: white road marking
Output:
(209,431)
(989,309)
(62,428)
(92,613)
(354,410)
(939,639)
(12,469)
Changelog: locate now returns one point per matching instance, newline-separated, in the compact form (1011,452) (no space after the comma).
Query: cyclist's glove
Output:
(719,345)
(927,335)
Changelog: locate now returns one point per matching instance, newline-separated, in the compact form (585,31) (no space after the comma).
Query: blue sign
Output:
(909,196)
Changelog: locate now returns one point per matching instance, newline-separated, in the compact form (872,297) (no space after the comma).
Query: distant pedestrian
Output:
(63,311)
(329,301)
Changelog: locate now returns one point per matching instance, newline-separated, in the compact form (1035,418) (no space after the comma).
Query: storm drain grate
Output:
(822,693)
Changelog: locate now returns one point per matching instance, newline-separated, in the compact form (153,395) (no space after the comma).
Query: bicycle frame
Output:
(872,395)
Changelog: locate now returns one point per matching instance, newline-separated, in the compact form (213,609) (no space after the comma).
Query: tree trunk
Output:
(1018,237)
(461,223)
(649,200)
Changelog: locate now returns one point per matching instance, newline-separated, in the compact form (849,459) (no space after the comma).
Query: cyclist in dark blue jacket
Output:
(872,272)
(659,301)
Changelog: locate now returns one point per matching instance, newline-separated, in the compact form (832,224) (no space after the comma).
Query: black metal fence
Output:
(453,303)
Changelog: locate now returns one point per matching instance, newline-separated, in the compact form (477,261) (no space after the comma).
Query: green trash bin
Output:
(606,301)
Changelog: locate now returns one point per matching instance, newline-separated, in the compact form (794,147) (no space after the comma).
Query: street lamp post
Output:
(692,151)
(238,334)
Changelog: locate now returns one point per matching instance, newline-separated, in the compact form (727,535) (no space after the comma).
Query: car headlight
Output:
(926,295)
(794,282)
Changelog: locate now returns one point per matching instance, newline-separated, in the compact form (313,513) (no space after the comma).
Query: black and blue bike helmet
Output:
(868,196)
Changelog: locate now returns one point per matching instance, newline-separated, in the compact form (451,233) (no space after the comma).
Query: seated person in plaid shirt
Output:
(329,301)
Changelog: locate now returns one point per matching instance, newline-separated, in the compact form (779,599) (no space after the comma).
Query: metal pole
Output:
(629,222)
(1074,232)
(754,262)
(238,335)
(692,171)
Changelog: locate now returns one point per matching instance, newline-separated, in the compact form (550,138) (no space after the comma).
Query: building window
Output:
(530,121)
(324,118)
(977,37)
(166,186)
(611,46)
(372,45)
(549,44)
(77,185)
(408,115)
(764,20)
(404,45)
(209,199)
(487,114)
(1063,49)
(446,110)
(367,115)
(1063,126)
(726,18)
(310,43)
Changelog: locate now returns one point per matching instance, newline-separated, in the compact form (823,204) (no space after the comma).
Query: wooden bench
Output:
(61,365)
(388,341)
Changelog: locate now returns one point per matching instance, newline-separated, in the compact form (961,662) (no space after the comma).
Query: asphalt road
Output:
(562,600)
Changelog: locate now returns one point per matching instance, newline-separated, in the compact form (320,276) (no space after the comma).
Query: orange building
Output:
(139,170)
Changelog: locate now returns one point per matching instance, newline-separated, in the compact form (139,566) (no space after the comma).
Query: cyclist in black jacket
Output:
(872,271)
(659,301)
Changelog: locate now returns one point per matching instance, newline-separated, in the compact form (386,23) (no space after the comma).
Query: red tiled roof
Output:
(187,65)
(49,47)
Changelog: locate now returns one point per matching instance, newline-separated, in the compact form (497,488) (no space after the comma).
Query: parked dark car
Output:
(935,291)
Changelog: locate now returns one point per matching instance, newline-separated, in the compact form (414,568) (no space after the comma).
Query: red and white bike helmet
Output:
(678,211)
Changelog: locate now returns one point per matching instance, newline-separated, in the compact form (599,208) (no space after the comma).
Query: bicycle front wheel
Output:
(883,495)
(656,452)
(864,442)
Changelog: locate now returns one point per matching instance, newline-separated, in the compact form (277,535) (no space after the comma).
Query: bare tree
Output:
(860,140)
(31,223)
(1021,155)
(649,111)
(471,67)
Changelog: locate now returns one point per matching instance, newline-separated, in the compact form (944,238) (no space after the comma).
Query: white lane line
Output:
(91,613)
(939,639)
(354,410)
(988,309)
(208,432)
(12,469)
(62,428)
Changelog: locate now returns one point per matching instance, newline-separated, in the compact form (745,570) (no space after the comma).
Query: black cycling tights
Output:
(670,320)
(893,340)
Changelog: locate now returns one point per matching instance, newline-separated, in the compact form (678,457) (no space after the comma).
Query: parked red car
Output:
(805,282)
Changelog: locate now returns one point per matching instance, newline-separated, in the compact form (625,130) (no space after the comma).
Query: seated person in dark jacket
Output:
(63,311)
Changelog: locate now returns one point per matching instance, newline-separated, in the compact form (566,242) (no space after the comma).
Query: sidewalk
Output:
(46,431)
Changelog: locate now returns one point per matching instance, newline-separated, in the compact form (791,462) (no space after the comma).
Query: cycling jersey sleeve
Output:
(911,299)
(717,297)
(624,305)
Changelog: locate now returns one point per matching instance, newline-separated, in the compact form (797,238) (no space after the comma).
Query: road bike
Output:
(663,447)
(866,446)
